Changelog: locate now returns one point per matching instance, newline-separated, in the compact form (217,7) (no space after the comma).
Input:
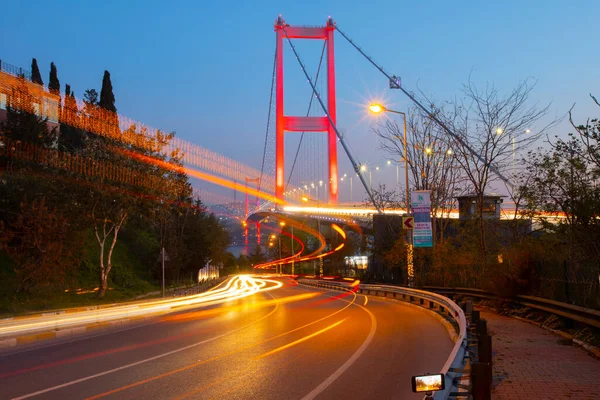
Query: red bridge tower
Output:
(305,124)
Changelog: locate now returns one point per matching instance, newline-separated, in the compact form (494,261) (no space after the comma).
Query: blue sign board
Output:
(421,208)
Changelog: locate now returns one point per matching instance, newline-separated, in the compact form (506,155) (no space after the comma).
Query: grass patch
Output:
(130,276)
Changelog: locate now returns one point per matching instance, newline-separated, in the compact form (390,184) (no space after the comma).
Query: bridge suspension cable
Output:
(355,165)
(392,80)
(268,121)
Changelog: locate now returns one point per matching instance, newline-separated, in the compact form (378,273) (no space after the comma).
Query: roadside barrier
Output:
(585,316)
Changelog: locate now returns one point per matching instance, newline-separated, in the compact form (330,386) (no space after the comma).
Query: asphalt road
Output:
(295,342)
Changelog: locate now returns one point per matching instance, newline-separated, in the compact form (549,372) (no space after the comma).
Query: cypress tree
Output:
(54,84)
(71,138)
(107,98)
(36,77)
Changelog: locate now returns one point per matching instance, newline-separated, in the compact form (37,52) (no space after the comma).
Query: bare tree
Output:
(384,198)
(431,159)
(489,129)
(589,136)
(108,220)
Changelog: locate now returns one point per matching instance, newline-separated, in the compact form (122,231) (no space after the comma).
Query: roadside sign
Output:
(421,206)
(159,259)
(408,222)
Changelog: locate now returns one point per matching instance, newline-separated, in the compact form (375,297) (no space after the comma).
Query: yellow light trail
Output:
(221,310)
(201,362)
(304,339)
(22,94)
(235,288)
(205,176)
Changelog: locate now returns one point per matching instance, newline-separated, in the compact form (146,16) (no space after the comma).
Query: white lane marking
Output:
(325,384)
(50,389)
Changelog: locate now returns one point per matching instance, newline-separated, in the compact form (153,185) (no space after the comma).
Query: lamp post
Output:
(293,255)
(378,109)
(306,200)
(282,224)
(271,238)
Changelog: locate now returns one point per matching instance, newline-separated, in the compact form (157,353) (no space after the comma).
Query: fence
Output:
(571,312)
(14,70)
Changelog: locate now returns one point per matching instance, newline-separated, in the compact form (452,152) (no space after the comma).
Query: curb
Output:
(62,333)
(138,299)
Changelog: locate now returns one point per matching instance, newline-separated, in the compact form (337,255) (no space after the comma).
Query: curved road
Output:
(295,342)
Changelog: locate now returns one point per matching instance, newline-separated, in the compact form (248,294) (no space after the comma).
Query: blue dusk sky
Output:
(203,68)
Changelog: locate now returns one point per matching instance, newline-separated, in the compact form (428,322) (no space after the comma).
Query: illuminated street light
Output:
(428,150)
(499,131)
(363,168)
(449,152)
(376,108)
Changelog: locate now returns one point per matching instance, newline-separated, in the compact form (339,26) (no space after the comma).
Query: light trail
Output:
(23,94)
(305,338)
(205,176)
(312,256)
(235,288)
(201,362)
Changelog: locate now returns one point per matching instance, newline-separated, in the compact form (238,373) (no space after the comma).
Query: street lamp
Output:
(306,200)
(281,224)
(377,108)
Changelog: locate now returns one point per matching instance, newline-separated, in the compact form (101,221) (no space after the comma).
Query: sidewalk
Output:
(532,363)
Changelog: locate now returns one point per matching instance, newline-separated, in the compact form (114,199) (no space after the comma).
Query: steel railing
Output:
(578,314)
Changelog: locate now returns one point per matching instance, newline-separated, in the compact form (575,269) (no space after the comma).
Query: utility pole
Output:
(293,256)
(163,270)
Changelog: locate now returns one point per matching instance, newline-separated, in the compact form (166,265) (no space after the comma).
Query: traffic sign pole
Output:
(163,271)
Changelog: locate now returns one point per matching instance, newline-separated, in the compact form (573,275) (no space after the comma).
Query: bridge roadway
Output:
(295,342)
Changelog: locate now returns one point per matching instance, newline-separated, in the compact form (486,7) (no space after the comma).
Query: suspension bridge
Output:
(284,184)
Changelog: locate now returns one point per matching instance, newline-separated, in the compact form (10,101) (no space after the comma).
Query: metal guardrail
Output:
(582,315)
(454,366)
